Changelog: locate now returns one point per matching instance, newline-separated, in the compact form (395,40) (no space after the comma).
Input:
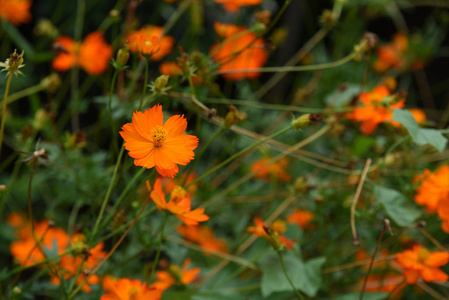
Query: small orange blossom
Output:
(234,5)
(127,289)
(15,11)
(176,275)
(150,41)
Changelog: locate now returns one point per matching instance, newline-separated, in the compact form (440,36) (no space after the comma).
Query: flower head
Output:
(176,275)
(392,54)
(421,263)
(238,51)
(15,11)
(300,217)
(204,236)
(13,64)
(433,188)
(179,204)
(93,54)
(262,169)
(152,143)
(150,42)
(234,5)
(127,289)
(272,233)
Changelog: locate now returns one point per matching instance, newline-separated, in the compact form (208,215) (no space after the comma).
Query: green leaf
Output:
(306,276)
(397,206)
(366,296)
(177,295)
(419,135)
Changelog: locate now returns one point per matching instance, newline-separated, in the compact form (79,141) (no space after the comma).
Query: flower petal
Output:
(175,125)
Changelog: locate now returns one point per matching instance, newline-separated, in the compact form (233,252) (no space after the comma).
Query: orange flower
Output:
(150,41)
(204,236)
(392,54)
(373,111)
(271,234)
(383,283)
(433,189)
(420,263)
(176,275)
(234,5)
(27,252)
(15,11)
(170,68)
(302,218)
(266,171)
(127,289)
(87,259)
(241,52)
(92,55)
(152,143)
(179,204)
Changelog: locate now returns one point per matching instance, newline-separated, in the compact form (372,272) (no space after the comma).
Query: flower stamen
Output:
(159,135)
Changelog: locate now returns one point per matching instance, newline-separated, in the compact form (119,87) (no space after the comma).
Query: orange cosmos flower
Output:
(170,68)
(302,218)
(420,263)
(234,5)
(150,41)
(93,54)
(262,169)
(87,259)
(374,111)
(238,53)
(152,143)
(29,250)
(433,189)
(392,54)
(271,233)
(204,236)
(179,204)
(15,11)
(176,275)
(127,289)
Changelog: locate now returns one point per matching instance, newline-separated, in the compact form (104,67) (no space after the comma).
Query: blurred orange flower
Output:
(179,204)
(262,169)
(127,289)
(302,218)
(433,188)
(204,236)
(15,11)
(176,275)
(93,54)
(150,41)
(170,68)
(271,233)
(238,51)
(392,54)
(234,5)
(152,143)
(386,283)
(374,111)
(420,263)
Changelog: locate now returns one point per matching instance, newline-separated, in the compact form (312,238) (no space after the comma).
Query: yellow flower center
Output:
(423,254)
(159,134)
(178,194)
(133,292)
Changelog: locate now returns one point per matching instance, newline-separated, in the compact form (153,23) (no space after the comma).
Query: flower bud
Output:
(40,119)
(2,188)
(306,120)
(122,56)
(51,82)
(159,85)
(233,116)
(328,19)
(301,185)
(13,63)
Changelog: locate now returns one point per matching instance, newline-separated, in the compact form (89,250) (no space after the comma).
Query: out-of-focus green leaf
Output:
(366,296)
(306,276)
(421,136)
(397,206)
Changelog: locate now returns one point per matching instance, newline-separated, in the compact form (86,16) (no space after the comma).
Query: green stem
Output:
(300,296)
(23,93)
(158,253)
(144,85)
(216,168)
(197,159)
(5,100)
(176,15)
(111,121)
(108,194)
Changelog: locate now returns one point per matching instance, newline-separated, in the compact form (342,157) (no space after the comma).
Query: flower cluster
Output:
(272,233)
(127,289)
(176,275)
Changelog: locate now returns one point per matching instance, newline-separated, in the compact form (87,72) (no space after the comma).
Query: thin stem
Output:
(144,85)
(216,168)
(5,100)
(30,207)
(300,296)
(108,194)
(23,93)
(158,253)
(324,66)
(176,15)
(111,91)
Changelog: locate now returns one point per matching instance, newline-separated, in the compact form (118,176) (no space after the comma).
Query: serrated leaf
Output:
(306,276)
(421,136)
(397,206)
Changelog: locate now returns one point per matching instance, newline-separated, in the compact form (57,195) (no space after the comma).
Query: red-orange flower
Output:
(262,169)
(238,51)
(176,275)
(150,41)
(15,11)
(170,68)
(386,283)
(302,218)
(374,111)
(420,263)
(152,143)
(234,5)
(271,233)
(179,204)
(127,289)
(434,187)
(93,54)
(392,54)
(204,236)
